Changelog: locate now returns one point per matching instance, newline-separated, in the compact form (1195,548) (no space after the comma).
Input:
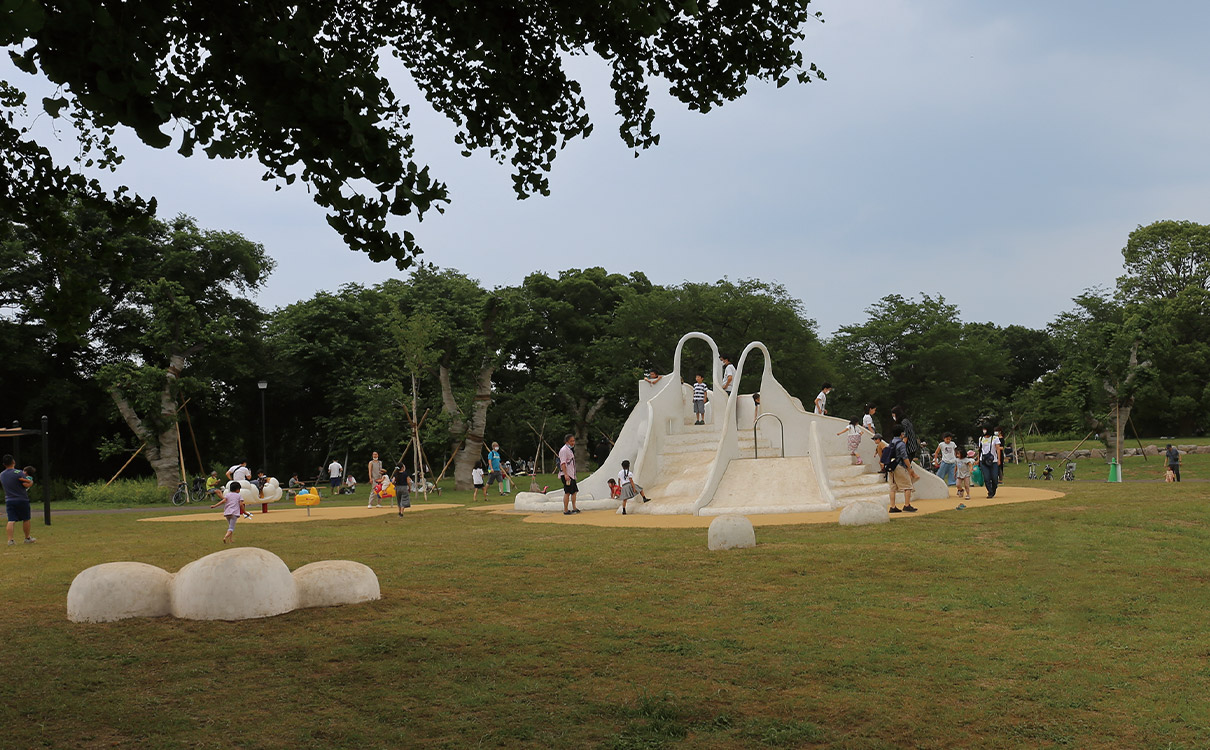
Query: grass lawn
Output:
(1075,622)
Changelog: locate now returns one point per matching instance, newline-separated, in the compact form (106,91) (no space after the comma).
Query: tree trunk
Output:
(467,439)
(162,450)
(582,419)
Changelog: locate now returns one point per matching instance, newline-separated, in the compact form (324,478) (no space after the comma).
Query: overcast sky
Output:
(996,153)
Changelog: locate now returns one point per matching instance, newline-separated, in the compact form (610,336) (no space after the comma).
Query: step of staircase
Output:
(856,490)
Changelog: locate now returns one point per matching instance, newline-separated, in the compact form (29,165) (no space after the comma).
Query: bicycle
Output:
(183,495)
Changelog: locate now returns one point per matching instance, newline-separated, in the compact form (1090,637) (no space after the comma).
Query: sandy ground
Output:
(1004,496)
(610,518)
(294,515)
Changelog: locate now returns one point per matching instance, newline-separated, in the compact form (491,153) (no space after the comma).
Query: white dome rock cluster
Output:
(235,584)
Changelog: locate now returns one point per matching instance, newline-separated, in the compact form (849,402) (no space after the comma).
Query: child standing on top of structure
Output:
(821,401)
(854,432)
(700,397)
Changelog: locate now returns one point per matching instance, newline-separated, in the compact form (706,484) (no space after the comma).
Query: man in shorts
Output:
(494,474)
(903,478)
(334,470)
(16,498)
(567,473)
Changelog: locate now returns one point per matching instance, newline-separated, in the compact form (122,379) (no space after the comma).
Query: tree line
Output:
(139,334)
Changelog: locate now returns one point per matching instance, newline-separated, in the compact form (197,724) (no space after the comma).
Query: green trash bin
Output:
(1115,471)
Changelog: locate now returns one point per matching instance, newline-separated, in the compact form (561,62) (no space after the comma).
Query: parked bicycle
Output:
(188,492)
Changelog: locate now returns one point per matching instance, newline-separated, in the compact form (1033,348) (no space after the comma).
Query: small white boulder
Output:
(864,513)
(731,532)
(118,590)
(330,583)
(235,584)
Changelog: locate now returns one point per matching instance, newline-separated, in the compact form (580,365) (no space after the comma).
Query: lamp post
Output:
(264,443)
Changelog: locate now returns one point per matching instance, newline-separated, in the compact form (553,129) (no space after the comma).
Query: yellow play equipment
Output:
(307,498)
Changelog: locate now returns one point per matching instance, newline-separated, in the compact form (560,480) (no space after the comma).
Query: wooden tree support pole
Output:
(447,465)
(132,455)
(196,450)
(1137,439)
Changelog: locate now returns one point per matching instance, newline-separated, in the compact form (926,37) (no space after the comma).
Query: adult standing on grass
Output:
(403,487)
(334,470)
(1174,461)
(901,474)
(494,470)
(989,461)
(16,498)
(567,474)
(374,469)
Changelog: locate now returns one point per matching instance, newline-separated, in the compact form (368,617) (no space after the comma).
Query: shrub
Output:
(122,492)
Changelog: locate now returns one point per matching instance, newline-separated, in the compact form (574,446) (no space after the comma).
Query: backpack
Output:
(890,459)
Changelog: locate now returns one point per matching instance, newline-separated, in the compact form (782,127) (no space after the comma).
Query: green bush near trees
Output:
(121,493)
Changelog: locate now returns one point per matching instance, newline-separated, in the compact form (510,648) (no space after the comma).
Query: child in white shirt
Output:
(854,432)
(629,487)
(477,479)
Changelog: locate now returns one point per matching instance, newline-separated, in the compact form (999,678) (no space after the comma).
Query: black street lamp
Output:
(264,443)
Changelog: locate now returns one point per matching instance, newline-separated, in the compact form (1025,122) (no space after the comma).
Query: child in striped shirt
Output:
(700,397)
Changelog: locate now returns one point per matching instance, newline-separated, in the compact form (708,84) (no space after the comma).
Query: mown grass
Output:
(1077,622)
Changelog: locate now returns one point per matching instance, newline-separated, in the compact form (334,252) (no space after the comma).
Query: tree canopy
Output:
(301,87)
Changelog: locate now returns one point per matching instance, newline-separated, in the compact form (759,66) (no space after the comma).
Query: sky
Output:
(995,153)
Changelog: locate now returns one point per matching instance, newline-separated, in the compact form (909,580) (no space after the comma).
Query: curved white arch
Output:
(717,372)
(739,366)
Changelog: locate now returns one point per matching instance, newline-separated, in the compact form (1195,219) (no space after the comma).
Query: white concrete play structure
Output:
(787,460)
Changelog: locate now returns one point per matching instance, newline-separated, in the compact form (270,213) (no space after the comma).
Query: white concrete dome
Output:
(329,583)
(731,532)
(864,513)
(235,584)
(118,590)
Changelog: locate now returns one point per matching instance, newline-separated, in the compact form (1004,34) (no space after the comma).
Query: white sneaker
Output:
(30,540)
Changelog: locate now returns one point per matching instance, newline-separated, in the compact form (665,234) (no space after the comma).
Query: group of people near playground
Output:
(897,459)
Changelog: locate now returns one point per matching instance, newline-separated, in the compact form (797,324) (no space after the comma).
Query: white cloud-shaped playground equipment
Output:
(234,584)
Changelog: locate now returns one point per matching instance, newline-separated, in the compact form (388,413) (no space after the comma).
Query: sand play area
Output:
(289,514)
(1004,496)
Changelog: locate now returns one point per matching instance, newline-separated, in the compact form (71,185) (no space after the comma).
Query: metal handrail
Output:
(782,425)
